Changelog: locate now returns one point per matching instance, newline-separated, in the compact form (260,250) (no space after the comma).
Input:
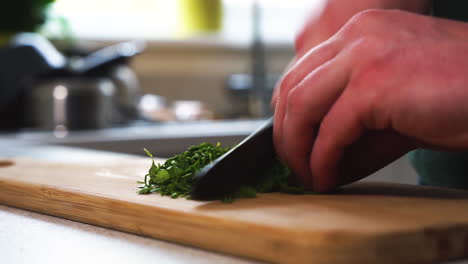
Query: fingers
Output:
(339,129)
(349,146)
(274,98)
(322,118)
(306,105)
(275,95)
(307,64)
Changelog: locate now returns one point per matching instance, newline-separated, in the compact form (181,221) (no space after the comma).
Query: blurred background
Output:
(92,64)
(120,75)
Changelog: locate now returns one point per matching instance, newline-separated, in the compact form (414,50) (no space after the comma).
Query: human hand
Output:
(329,16)
(386,83)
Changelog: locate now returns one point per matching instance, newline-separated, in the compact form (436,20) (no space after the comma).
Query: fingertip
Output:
(305,177)
(324,182)
(324,185)
(323,165)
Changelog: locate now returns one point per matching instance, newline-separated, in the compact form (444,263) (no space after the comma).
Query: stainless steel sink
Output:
(163,140)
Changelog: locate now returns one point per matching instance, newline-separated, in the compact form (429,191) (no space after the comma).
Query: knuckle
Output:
(370,97)
(369,16)
(287,82)
(368,21)
(300,39)
(294,101)
(371,52)
(368,48)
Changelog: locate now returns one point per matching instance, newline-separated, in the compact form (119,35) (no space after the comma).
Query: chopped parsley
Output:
(174,177)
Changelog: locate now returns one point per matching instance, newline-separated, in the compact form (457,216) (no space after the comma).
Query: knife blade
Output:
(241,165)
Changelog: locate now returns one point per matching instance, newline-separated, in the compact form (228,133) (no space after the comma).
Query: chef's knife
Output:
(241,165)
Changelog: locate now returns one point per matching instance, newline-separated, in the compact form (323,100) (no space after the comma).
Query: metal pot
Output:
(72,103)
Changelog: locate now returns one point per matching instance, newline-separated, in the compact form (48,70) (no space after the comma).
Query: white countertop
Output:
(28,237)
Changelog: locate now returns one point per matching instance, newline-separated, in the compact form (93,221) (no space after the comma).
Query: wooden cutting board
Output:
(363,223)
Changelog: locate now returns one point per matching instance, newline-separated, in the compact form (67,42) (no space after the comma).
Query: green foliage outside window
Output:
(22,15)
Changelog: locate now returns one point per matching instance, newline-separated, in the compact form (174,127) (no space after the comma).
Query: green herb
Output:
(175,177)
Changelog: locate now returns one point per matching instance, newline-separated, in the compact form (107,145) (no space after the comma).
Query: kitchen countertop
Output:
(28,237)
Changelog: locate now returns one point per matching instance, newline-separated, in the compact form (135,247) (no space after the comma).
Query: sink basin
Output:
(163,140)
(167,139)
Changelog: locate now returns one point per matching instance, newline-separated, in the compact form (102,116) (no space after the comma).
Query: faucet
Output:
(259,96)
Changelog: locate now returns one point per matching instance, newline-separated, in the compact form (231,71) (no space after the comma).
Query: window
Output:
(160,19)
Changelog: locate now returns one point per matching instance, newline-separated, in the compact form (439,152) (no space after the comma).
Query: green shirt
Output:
(435,168)
(442,169)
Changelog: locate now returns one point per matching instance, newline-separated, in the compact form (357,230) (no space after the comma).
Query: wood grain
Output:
(363,223)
